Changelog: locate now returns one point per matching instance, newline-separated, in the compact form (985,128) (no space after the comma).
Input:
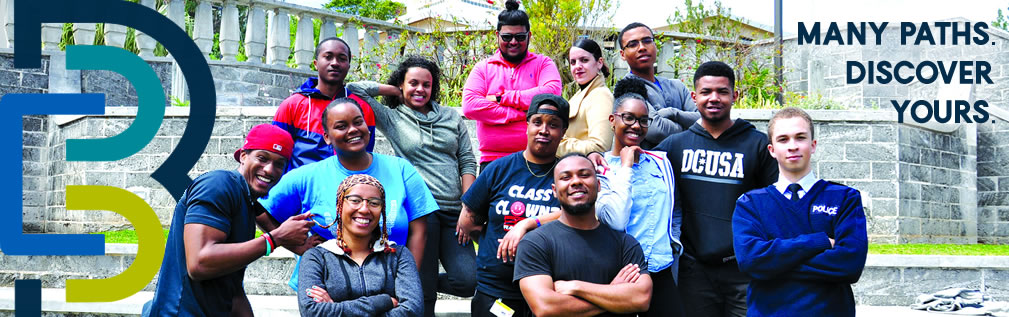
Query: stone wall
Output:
(246,84)
(993,183)
(34,137)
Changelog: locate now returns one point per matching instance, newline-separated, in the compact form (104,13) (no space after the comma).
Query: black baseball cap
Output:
(551,99)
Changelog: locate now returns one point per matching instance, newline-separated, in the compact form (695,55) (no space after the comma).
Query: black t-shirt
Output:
(505,193)
(219,199)
(569,254)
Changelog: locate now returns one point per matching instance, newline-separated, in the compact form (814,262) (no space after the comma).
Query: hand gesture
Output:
(294,231)
(599,161)
(629,155)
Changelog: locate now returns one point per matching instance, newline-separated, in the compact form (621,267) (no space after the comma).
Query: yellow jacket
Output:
(589,128)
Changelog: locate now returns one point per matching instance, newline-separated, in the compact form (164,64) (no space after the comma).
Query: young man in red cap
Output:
(212,235)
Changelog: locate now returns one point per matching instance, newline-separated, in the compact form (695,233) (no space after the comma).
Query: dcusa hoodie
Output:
(710,175)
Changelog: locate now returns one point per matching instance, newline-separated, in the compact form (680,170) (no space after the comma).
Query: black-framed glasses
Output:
(355,201)
(521,37)
(634,43)
(630,119)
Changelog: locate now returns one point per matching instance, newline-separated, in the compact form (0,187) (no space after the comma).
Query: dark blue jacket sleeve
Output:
(764,258)
(408,290)
(844,262)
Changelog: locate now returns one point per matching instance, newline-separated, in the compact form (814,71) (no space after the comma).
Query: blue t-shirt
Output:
(505,193)
(313,187)
(219,199)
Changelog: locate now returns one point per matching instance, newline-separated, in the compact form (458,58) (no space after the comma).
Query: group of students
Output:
(650,200)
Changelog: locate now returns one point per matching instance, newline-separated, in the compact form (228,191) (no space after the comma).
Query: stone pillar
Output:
(145,43)
(304,42)
(351,37)
(177,13)
(115,35)
(370,41)
(229,31)
(278,40)
(327,29)
(392,49)
(255,34)
(7,21)
(203,27)
(52,33)
(84,33)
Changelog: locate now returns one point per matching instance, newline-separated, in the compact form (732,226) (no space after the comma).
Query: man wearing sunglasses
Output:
(672,110)
(500,88)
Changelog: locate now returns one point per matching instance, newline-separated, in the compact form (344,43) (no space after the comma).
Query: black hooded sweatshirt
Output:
(710,175)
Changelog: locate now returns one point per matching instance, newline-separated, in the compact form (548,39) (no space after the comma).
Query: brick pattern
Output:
(242,84)
(937,174)
(34,138)
(993,183)
(118,91)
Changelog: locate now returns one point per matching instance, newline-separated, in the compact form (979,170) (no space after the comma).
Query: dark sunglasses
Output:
(630,119)
(634,43)
(521,37)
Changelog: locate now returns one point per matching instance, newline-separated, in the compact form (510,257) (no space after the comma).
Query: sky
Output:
(807,11)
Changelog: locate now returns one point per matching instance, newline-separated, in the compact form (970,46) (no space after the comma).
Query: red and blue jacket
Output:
(301,116)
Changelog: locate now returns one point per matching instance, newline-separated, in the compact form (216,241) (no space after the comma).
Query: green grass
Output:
(940,249)
(130,236)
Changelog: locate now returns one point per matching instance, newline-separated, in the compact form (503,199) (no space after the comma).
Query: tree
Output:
(375,9)
(1001,22)
(556,24)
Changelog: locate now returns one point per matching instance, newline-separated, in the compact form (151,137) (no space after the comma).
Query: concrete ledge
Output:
(54,301)
(938,261)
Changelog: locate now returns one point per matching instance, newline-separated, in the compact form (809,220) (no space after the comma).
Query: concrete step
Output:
(54,302)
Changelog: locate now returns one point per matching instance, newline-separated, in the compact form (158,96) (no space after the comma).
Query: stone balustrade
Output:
(266,36)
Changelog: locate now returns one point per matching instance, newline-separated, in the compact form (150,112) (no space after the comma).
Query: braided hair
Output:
(341,194)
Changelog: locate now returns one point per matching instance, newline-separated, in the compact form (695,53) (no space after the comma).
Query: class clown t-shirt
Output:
(505,193)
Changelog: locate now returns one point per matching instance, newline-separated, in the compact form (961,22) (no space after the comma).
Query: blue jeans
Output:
(459,262)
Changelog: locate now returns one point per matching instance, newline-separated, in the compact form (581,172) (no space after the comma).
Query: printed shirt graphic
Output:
(506,193)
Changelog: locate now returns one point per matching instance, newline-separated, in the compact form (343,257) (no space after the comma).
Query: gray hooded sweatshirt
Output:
(672,109)
(437,144)
(360,290)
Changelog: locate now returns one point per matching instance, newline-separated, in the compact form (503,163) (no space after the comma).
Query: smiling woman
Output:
(312,188)
(436,141)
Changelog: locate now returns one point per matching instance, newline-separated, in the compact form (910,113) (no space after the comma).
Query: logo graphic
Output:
(172,174)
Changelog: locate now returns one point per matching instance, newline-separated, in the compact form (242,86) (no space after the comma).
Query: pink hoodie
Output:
(501,128)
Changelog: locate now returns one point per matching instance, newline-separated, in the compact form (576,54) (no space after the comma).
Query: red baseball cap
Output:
(268,137)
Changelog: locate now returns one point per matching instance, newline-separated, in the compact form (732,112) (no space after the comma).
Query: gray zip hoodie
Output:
(437,144)
(360,290)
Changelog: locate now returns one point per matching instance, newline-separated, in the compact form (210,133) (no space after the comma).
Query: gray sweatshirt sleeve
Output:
(311,274)
(408,291)
(368,90)
(467,160)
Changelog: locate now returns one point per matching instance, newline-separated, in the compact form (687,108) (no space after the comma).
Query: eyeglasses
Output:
(520,37)
(634,43)
(355,201)
(630,119)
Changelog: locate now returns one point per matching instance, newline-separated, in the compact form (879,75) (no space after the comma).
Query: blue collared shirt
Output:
(652,219)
